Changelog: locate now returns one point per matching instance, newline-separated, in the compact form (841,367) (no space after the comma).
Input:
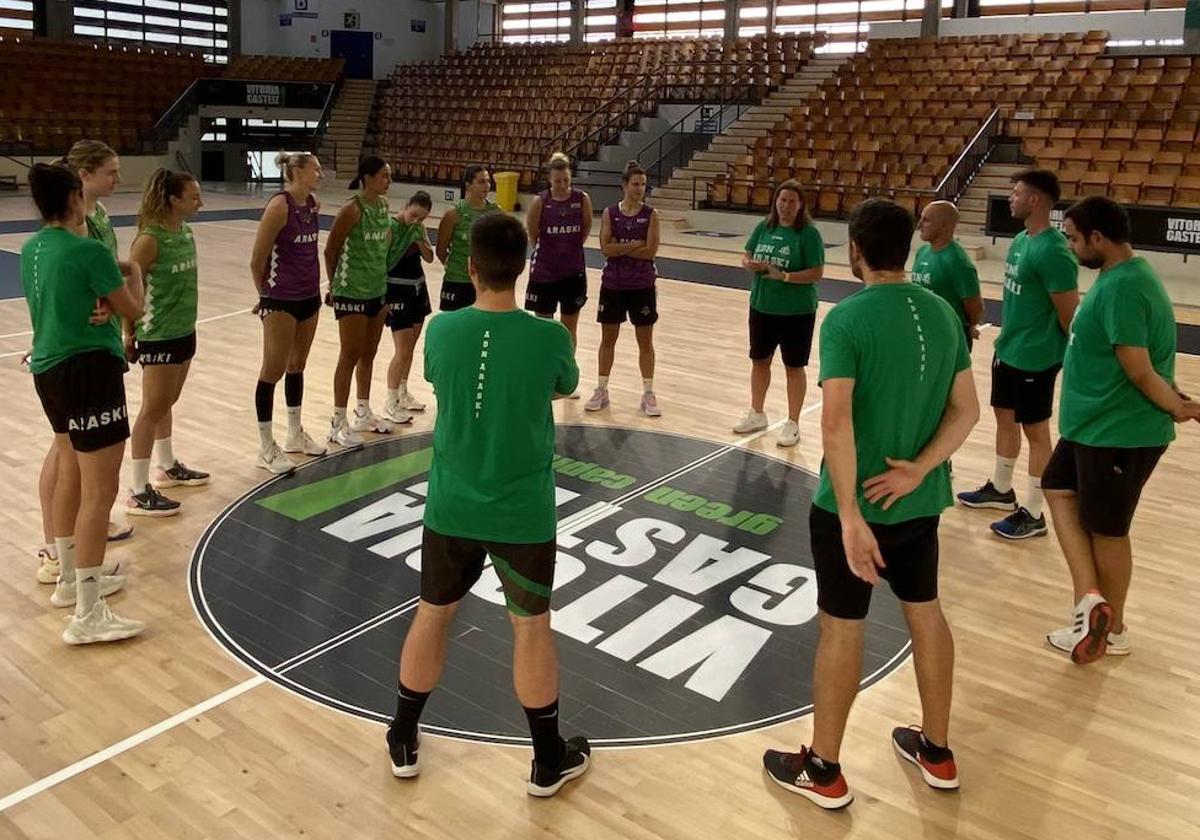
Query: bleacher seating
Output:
(54,92)
(276,68)
(505,105)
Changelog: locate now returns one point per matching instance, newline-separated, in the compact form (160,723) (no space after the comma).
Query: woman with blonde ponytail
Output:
(165,336)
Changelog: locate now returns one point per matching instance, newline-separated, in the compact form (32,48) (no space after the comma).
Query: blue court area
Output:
(10,275)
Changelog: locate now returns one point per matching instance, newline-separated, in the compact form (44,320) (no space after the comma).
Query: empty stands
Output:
(275,68)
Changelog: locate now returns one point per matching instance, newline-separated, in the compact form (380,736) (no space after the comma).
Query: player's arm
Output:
(841,463)
(610,248)
(649,250)
(446,234)
(1135,361)
(1065,304)
(143,253)
(424,246)
(751,264)
(587,218)
(343,223)
(533,220)
(273,220)
(973,307)
(808,275)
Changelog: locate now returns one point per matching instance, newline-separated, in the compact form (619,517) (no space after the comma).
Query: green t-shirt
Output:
(1099,405)
(403,236)
(99,227)
(948,273)
(1038,266)
(790,250)
(495,374)
(902,345)
(460,243)
(62,275)
(172,287)
(361,271)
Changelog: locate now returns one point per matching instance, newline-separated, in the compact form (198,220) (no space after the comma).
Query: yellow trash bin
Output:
(506,190)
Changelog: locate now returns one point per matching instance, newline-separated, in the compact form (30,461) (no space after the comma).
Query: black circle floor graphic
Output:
(684,597)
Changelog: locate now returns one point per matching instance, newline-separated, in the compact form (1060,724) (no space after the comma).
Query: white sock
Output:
(1034,499)
(363,408)
(295,428)
(87,590)
(393,395)
(1002,475)
(266,435)
(648,385)
(141,474)
(339,415)
(602,382)
(164,456)
(64,548)
(51,549)
(403,389)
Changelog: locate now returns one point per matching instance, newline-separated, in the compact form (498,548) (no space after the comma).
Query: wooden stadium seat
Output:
(1187,191)
(1157,189)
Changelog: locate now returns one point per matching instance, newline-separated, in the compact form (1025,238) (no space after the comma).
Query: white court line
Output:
(207,320)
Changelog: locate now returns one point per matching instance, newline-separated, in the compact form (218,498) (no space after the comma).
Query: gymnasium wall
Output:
(1156,25)
(135,170)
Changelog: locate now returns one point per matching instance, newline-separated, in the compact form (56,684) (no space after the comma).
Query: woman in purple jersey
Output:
(286,270)
(629,239)
(559,221)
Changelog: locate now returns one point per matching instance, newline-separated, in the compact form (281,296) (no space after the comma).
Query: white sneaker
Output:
(343,435)
(410,403)
(649,405)
(48,567)
(598,401)
(274,461)
(789,434)
(1086,640)
(100,625)
(65,594)
(1118,643)
(368,421)
(754,421)
(396,412)
(303,443)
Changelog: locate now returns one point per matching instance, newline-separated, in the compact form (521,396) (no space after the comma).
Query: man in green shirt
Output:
(495,369)
(943,267)
(897,403)
(1118,409)
(1041,282)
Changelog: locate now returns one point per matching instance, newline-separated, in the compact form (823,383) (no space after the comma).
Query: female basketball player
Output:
(454,237)
(99,169)
(78,370)
(356,260)
(408,300)
(559,221)
(787,256)
(165,336)
(629,239)
(286,269)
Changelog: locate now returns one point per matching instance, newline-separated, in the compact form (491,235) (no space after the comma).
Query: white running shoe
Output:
(754,421)
(368,421)
(64,594)
(303,443)
(274,461)
(1118,643)
(410,403)
(100,625)
(343,435)
(1064,639)
(649,405)
(1086,640)
(396,412)
(789,434)
(598,401)
(48,567)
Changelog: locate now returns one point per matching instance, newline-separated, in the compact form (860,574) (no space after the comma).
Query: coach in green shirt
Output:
(943,267)
(1118,412)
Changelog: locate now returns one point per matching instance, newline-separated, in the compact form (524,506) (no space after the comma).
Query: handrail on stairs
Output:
(954,183)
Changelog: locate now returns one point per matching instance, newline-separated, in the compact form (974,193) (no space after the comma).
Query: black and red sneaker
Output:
(936,765)
(808,775)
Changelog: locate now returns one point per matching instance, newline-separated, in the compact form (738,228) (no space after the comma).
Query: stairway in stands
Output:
(342,145)
(993,178)
(674,199)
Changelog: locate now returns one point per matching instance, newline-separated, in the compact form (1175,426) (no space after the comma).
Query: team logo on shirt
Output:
(685,601)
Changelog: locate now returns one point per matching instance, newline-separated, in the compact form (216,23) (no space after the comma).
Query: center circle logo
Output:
(685,601)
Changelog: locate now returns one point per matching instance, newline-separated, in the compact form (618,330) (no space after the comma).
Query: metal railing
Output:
(960,174)
(562,142)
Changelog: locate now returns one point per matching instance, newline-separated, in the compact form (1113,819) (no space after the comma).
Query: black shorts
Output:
(173,351)
(300,308)
(910,550)
(84,397)
(1030,394)
(456,296)
(1107,481)
(640,305)
(569,293)
(343,306)
(792,334)
(408,306)
(450,566)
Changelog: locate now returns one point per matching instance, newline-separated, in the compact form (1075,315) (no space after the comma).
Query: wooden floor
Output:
(1047,750)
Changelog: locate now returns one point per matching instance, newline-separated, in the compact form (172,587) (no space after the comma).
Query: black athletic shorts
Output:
(1107,481)
(910,550)
(173,351)
(84,397)
(450,566)
(343,306)
(640,305)
(569,293)
(1030,394)
(408,305)
(792,334)
(300,308)
(456,296)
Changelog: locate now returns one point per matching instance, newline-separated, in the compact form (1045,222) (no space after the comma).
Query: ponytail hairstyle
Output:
(88,155)
(289,162)
(559,162)
(632,168)
(367,167)
(52,185)
(160,189)
(421,199)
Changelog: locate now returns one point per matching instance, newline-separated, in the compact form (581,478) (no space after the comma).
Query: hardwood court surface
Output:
(1046,749)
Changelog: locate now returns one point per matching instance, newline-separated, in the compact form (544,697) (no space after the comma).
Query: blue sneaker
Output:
(988,496)
(1020,525)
